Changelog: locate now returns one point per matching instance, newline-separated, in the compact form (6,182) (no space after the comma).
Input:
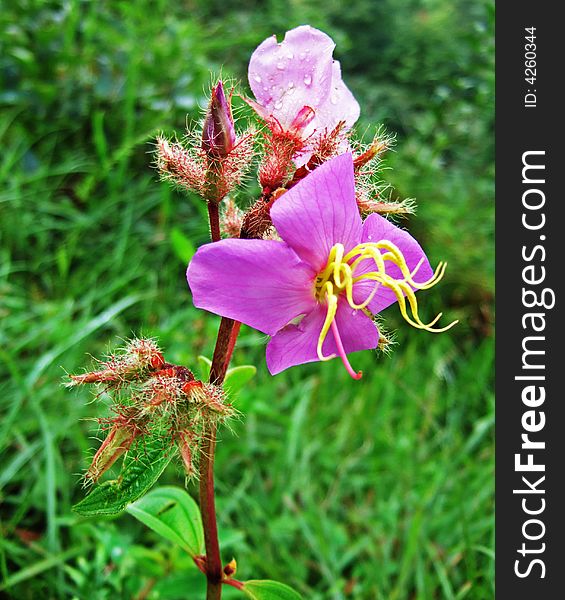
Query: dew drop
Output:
(257,78)
(308,79)
(281,66)
(290,56)
(278,104)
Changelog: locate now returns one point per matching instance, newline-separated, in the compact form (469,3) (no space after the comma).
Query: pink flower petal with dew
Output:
(261,283)
(338,105)
(297,344)
(319,212)
(375,229)
(297,72)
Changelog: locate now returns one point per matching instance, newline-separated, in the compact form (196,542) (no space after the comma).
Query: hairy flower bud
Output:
(218,134)
(139,358)
(188,447)
(120,438)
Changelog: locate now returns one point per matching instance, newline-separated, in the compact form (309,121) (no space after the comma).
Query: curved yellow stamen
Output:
(339,277)
(331,299)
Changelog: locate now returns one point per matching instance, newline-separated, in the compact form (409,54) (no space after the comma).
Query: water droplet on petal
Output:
(302,55)
(278,104)
(281,66)
(257,78)
(308,79)
(369,237)
(333,98)
(290,56)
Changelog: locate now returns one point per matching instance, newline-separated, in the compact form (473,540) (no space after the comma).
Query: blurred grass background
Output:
(381,489)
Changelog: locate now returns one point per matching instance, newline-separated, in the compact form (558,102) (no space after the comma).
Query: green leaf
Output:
(237,377)
(182,246)
(205,366)
(171,512)
(264,589)
(143,465)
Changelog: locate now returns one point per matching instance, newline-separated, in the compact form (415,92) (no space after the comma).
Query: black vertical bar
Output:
(530,129)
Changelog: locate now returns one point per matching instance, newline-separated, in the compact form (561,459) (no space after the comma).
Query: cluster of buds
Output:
(153,398)
(306,114)
(213,159)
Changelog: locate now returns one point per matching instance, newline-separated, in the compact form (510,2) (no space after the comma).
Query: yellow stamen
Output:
(339,276)
(331,299)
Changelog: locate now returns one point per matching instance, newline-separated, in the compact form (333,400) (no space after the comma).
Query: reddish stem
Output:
(214,216)
(225,343)
(209,522)
(234,583)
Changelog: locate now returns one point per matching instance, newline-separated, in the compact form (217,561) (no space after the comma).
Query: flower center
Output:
(339,276)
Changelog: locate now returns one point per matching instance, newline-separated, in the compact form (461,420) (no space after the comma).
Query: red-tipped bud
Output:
(186,444)
(218,134)
(106,375)
(377,147)
(134,362)
(117,442)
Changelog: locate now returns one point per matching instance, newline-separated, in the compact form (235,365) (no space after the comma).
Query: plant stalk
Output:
(214,216)
(225,343)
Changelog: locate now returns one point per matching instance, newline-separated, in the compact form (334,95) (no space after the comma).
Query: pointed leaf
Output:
(265,589)
(237,377)
(143,465)
(171,512)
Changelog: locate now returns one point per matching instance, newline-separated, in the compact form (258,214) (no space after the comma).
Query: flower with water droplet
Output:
(304,76)
(316,291)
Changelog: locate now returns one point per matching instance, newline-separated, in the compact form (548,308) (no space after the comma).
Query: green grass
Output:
(377,489)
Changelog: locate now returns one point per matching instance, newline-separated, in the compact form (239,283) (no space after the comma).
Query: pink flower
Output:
(316,291)
(298,85)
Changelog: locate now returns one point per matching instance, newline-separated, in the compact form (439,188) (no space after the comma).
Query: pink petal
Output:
(297,344)
(260,283)
(286,77)
(375,229)
(338,105)
(320,211)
